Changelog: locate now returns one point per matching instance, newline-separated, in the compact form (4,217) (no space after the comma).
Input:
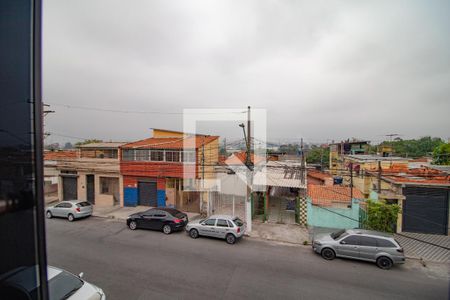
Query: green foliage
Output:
(414,148)
(381,216)
(318,155)
(88,141)
(290,149)
(441,154)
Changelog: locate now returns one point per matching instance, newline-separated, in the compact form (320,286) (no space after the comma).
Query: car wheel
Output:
(133,225)
(384,262)
(70,217)
(167,229)
(231,239)
(193,233)
(328,254)
(49,215)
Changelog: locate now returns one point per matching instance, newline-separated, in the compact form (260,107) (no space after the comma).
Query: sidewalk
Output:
(122,213)
(288,233)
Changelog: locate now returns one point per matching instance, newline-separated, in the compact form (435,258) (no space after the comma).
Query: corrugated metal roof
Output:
(171,143)
(280,177)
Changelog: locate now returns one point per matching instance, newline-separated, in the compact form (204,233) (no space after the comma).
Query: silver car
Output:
(219,226)
(73,209)
(367,245)
(21,283)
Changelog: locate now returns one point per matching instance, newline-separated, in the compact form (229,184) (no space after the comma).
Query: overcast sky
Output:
(323,70)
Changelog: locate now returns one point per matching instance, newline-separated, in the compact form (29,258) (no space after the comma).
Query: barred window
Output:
(128,154)
(173,156)
(157,155)
(142,154)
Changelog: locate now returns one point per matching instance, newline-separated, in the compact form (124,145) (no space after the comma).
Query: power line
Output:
(70,106)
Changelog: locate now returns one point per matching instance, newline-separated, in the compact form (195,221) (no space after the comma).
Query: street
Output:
(145,264)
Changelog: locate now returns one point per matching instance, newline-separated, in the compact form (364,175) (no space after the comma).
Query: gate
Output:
(69,188)
(90,188)
(147,194)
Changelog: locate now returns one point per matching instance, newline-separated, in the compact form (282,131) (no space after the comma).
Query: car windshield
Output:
(63,285)
(238,222)
(338,234)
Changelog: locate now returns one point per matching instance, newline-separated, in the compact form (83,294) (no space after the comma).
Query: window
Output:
(173,156)
(142,154)
(238,222)
(83,204)
(109,185)
(210,222)
(351,240)
(128,154)
(385,243)
(188,156)
(222,223)
(338,234)
(230,224)
(156,155)
(367,241)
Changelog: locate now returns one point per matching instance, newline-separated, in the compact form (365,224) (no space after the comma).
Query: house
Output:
(51,173)
(333,206)
(318,177)
(423,195)
(169,169)
(339,150)
(277,187)
(93,175)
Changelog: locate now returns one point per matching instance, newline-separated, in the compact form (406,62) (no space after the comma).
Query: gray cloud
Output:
(322,69)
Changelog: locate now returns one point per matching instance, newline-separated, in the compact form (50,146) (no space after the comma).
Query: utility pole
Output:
(248,159)
(302,189)
(203,177)
(379,177)
(351,182)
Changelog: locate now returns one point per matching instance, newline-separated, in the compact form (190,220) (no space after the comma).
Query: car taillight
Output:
(238,229)
(178,221)
(78,209)
(400,250)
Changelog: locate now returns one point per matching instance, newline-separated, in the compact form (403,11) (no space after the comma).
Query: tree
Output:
(88,141)
(441,154)
(381,216)
(414,148)
(318,155)
(68,145)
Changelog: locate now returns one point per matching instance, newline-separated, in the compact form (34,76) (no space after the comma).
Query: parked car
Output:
(161,218)
(367,245)
(21,284)
(219,226)
(73,209)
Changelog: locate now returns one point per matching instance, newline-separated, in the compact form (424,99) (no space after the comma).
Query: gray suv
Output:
(220,226)
(367,245)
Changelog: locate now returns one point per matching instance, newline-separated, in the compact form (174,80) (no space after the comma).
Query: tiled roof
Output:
(238,158)
(417,176)
(103,145)
(171,143)
(327,195)
(318,175)
(60,155)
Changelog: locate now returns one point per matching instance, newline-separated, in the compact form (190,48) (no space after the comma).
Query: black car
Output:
(165,219)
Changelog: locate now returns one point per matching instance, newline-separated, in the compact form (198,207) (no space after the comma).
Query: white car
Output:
(61,285)
(225,227)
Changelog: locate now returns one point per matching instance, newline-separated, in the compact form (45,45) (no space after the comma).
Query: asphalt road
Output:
(145,264)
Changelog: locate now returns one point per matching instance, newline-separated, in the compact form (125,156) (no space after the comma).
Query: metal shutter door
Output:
(425,210)
(147,194)
(69,188)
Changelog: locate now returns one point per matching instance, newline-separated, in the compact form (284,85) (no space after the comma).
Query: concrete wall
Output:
(331,217)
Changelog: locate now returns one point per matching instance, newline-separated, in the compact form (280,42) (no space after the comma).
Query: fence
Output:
(225,204)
